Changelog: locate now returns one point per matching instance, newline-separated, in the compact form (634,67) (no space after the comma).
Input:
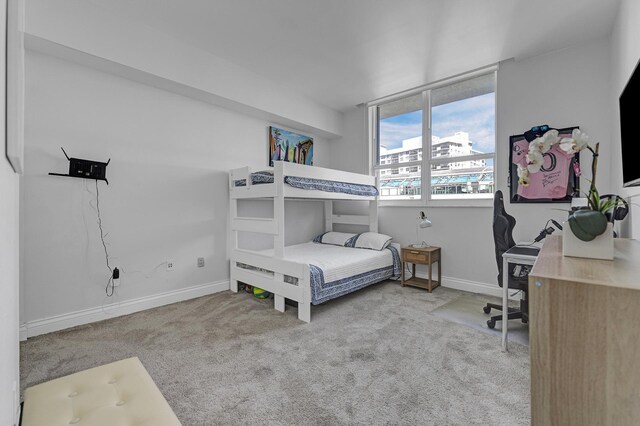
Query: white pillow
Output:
(372,241)
(333,238)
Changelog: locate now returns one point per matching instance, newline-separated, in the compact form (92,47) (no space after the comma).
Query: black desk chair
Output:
(503,225)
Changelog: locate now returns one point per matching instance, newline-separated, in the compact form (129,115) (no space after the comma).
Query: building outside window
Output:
(457,120)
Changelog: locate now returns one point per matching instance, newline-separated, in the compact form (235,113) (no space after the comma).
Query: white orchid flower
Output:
(576,143)
(545,142)
(523,175)
(548,140)
(535,159)
(522,171)
(535,145)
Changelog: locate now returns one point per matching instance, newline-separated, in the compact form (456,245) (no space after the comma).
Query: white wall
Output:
(625,48)
(167,196)
(9,264)
(349,153)
(85,32)
(562,89)
(9,267)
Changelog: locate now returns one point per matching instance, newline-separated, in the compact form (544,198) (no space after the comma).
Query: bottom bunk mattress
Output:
(337,270)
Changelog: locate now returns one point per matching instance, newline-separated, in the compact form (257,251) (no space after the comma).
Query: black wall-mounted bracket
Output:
(86,169)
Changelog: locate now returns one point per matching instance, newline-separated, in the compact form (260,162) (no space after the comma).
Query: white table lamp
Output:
(422,222)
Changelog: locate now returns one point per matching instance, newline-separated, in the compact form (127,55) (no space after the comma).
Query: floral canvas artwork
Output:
(291,147)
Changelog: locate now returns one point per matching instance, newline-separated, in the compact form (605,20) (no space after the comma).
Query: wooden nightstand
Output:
(421,256)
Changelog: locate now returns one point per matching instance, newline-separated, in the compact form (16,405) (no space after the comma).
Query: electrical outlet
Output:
(116,277)
(170,265)
(201,262)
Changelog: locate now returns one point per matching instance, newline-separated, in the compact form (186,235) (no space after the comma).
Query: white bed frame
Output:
(279,191)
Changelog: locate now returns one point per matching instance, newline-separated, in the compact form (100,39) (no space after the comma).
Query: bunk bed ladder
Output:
(373,216)
(370,219)
(233,238)
(328,216)
(304,304)
(278,238)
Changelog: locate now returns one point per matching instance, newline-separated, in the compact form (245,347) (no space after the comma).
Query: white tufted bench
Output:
(117,394)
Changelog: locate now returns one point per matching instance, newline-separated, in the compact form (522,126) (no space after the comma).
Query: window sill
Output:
(476,203)
(401,203)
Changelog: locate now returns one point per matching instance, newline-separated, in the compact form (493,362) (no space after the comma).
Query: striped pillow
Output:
(369,240)
(334,238)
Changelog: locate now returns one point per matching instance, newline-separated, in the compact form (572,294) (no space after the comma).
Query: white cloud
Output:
(392,134)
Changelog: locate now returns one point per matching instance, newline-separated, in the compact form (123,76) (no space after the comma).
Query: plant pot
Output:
(587,224)
(601,247)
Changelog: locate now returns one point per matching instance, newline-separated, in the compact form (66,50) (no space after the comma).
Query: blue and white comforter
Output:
(337,270)
(258,178)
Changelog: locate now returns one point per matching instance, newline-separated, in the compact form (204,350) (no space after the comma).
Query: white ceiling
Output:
(344,52)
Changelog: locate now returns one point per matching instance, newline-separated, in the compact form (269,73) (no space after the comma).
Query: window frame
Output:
(427,161)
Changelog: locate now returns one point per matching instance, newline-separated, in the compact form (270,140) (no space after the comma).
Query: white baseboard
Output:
(86,316)
(23,332)
(471,286)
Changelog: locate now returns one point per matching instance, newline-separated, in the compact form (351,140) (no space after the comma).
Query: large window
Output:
(436,142)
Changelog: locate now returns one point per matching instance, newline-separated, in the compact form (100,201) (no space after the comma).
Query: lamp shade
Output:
(425,223)
(422,222)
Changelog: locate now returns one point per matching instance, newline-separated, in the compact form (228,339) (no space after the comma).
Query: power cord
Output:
(144,274)
(547,230)
(406,267)
(113,273)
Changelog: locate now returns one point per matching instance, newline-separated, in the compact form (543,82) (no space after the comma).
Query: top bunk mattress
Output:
(263,177)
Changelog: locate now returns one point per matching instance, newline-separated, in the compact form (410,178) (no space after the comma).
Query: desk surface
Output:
(622,272)
(529,251)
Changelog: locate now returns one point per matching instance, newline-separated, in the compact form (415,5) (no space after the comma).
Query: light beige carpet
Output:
(467,310)
(377,356)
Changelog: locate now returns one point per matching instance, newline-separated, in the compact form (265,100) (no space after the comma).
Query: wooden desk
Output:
(584,317)
(421,256)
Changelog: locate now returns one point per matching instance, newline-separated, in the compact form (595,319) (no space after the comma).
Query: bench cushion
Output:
(120,393)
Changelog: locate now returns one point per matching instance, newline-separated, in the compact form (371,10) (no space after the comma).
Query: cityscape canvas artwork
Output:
(291,147)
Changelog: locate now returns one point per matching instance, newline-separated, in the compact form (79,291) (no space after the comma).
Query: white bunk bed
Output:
(271,270)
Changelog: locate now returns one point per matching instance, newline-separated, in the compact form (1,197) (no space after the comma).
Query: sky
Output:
(475,116)
(294,138)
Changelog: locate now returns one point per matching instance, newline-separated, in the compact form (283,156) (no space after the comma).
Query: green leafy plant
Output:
(601,205)
(589,222)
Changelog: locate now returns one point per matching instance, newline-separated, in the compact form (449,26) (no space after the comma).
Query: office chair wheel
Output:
(524,320)
(487,309)
(491,324)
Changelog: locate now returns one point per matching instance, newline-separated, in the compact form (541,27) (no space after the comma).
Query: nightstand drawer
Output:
(414,256)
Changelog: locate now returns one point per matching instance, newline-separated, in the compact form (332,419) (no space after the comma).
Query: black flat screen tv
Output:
(630,129)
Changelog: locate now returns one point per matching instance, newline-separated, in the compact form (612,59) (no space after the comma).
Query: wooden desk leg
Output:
(402,274)
(440,270)
(413,270)
(430,276)
(505,303)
